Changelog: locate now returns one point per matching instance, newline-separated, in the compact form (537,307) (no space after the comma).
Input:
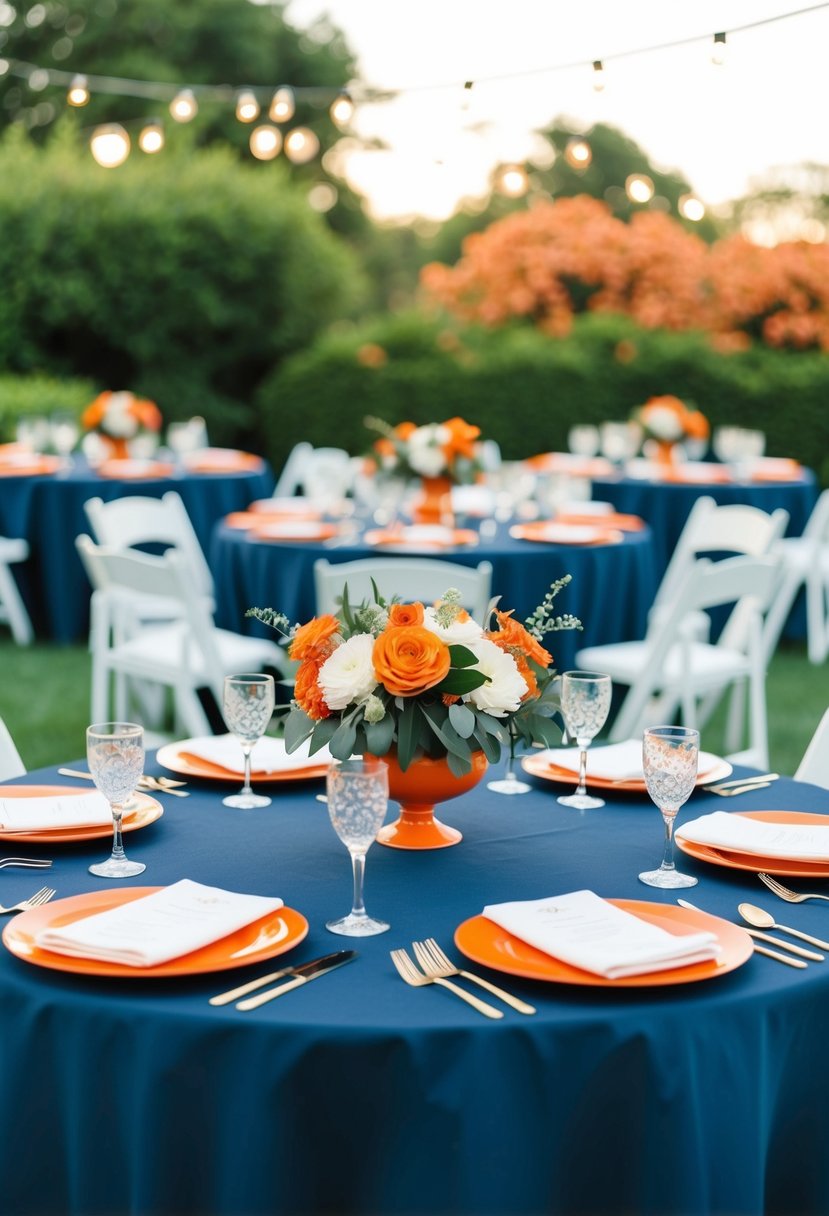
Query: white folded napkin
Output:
(145,932)
(613,761)
(796,841)
(588,932)
(54,811)
(268,755)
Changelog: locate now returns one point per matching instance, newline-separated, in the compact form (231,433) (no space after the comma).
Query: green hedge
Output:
(183,277)
(525,390)
(45,395)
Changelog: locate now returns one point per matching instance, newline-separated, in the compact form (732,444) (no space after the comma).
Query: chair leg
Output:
(15,612)
(189,711)
(817,624)
(736,716)
(758,729)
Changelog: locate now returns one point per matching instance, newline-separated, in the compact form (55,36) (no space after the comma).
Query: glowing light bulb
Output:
(639,188)
(78,94)
(151,138)
(247,107)
(283,105)
(265,142)
(110,145)
(578,153)
(691,208)
(598,75)
(184,106)
(513,181)
(342,110)
(301,145)
(322,196)
(719,53)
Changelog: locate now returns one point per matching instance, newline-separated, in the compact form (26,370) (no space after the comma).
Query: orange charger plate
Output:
(145,810)
(733,860)
(178,760)
(538,767)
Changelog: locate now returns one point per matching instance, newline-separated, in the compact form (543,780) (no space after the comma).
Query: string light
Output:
(265,142)
(578,153)
(342,110)
(283,105)
(598,75)
(512,181)
(110,145)
(151,138)
(78,94)
(322,196)
(247,107)
(301,145)
(719,53)
(639,188)
(690,208)
(184,106)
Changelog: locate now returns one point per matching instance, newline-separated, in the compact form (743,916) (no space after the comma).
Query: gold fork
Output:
(34,901)
(791,897)
(438,965)
(409,972)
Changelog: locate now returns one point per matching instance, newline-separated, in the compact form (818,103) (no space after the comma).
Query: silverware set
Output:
(760,920)
(436,967)
(741,785)
(34,901)
(31,863)
(791,897)
(302,974)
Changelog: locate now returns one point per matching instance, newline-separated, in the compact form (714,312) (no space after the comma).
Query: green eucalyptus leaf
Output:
(379,735)
(458,681)
(343,740)
(298,727)
(462,718)
(459,765)
(323,733)
(450,739)
(408,727)
(489,745)
(491,726)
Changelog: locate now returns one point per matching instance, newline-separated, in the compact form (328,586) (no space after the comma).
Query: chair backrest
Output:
(11,764)
(814,766)
(121,574)
(127,522)
(290,479)
(408,578)
(327,474)
(734,528)
(817,525)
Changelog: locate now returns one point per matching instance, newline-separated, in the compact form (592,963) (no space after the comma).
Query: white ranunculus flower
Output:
(118,421)
(459,633)
(506,687)
(663,423)
(425,452)
(347,676)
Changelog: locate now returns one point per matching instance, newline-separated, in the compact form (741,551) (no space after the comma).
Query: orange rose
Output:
(408,659)
(315,640)
(94,412)
(307,692)
(461,440)
(512,635)
(696,425)
(406,614)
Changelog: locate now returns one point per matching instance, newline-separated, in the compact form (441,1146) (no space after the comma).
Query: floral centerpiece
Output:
(119,417)
(438,454)
(669,421)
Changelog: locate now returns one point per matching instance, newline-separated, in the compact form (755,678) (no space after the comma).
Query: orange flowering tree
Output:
(422,680)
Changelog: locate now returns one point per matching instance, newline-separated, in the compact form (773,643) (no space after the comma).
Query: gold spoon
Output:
(764,920)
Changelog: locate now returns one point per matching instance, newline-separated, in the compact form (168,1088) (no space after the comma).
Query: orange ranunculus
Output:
(316,639)
(461,440)
(307,692)
(95,411)
(406,614)
(511,635)
(696,425)
(409,659)
(404,429)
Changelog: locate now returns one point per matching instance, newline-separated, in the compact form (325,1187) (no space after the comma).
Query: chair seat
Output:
(159,649)
(13,549)
(624,661)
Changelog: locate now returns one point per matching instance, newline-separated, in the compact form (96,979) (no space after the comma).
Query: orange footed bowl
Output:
(425,782)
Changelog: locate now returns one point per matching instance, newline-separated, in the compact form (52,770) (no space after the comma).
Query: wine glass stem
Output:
(118,853)
(358,869)
(668,856)
(582,787)
(247,748)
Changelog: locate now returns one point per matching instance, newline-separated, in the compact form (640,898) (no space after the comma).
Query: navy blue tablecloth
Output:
(48,513)
(612,589)
(358,1094)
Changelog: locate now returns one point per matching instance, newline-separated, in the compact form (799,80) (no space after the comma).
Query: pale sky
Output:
(721,127)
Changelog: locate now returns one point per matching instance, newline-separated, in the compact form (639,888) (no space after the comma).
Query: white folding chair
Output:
(290,479)
(327,475)
(11,764)
(814,767)
(185,654)
(806,563)
(672,670)
(12,610)
(409,578)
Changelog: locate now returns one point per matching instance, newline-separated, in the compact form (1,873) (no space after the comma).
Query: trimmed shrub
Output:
(43,395)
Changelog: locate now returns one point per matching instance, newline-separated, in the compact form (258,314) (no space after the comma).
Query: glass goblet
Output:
(670,755)
(248,707)
(115,751)
(509,783)
(358,795)
(585,704)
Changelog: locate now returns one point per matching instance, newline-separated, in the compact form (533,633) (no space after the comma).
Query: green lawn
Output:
(44,700)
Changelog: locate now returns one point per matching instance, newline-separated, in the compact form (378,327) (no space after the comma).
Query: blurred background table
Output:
(611,592)
(48,512)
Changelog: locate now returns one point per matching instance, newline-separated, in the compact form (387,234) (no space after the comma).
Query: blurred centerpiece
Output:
(428,689)
(437,454)
(668,422)
(118,418)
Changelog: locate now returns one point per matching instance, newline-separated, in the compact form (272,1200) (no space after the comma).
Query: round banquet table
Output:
(612,589)
(48,512)
(358,1094)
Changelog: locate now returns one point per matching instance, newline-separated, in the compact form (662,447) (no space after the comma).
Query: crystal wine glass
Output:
(509,783)
(670,755)
(358,795)
(115,751)
(248,708)
(585,704)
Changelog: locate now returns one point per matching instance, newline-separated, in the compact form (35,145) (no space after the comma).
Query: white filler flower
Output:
(347,676)
(460,633)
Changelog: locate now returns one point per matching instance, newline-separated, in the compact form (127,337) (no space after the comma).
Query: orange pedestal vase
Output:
(425,782)
(666,453)
(117,449)
(434,505)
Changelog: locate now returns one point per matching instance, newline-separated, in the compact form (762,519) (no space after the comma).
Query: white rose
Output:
(506,687)
(425,453)
(118,421)
(459,633)
(663,423)
(347,676)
